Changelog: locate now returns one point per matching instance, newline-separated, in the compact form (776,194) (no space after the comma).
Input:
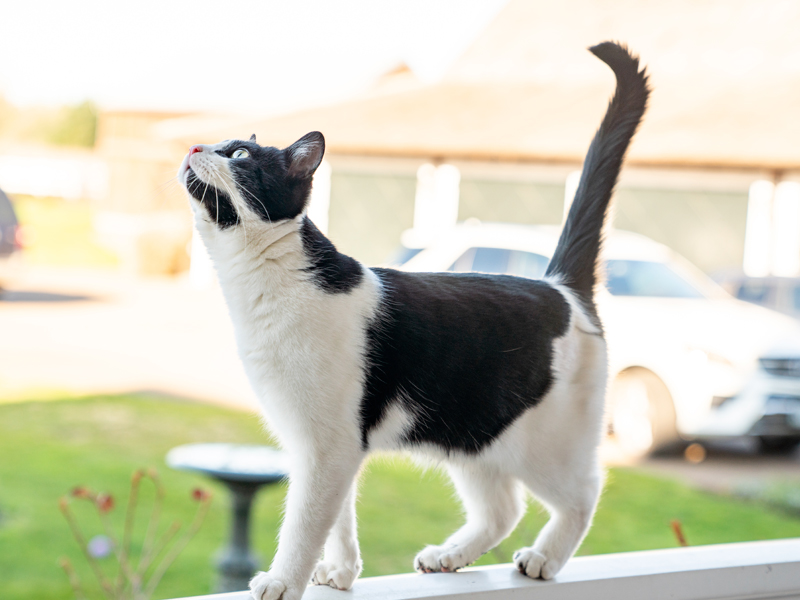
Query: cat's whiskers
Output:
(171,181)
(259,200)
(216,214)
(218,176)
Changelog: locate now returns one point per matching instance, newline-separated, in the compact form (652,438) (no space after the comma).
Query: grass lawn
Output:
(47,448)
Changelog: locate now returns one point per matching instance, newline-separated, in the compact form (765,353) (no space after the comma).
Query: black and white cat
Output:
(502,379)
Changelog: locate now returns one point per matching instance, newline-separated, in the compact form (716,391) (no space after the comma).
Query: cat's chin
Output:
(183,170)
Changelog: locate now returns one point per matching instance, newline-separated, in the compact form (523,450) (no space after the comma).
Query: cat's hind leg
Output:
(570,495)
(494,503)
(341,564)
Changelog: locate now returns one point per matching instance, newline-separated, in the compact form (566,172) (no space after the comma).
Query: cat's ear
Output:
(305,155)
(253,138)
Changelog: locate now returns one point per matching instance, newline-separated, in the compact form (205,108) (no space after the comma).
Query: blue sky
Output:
(243,56)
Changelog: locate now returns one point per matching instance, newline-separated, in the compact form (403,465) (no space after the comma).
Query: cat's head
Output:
(235,181)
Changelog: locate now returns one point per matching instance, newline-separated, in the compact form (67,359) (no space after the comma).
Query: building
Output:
(713,173)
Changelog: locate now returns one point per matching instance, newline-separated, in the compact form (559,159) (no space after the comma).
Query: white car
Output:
(681,350)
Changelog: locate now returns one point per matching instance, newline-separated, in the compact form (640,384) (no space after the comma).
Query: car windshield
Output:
(501,260)
(624,277)
(401,256)
(647,278)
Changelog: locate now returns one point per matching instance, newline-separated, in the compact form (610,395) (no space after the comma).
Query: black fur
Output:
(576,259)
(216,202)
(332,271)
(466,353)
(264,183)
(269,180)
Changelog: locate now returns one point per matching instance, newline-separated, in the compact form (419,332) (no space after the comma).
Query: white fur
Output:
(304,353)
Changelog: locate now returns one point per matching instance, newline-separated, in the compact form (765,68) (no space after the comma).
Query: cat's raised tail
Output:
(576,261)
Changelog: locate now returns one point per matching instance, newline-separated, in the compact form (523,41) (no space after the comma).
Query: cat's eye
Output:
(240,153)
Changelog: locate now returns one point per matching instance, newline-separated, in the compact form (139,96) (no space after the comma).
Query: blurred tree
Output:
(77,126)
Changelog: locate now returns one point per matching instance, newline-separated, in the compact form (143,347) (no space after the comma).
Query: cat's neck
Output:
(254,258)
(263,265)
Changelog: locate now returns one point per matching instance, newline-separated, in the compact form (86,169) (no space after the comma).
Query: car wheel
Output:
(641,415)
(771,444)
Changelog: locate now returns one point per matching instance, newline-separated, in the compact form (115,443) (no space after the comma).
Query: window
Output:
(644,278)
(401,256)
(527,264)
(482,260)
(501,260)
(756,291)
(796,298)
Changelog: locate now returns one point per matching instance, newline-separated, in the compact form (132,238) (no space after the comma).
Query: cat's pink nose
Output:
(194,149)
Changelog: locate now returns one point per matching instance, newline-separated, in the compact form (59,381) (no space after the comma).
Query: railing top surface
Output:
(750,570)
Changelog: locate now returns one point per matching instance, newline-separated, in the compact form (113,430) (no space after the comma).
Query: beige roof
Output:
(726,78)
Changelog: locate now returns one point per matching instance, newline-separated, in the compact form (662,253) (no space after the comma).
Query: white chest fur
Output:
(303,349)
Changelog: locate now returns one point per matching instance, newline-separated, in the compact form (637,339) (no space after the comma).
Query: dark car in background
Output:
(10,240)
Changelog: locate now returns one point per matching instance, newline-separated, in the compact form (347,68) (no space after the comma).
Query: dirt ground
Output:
(732,466)
(75,332)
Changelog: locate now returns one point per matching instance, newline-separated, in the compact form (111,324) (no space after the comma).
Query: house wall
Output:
(702,218)
(705,227)
(511,201)
(369,212)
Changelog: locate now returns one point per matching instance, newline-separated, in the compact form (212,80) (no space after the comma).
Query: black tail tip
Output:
(617,56)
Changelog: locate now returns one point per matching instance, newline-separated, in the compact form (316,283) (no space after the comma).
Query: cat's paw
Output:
(444,559)
(535,564)
(336,575)
(266,586)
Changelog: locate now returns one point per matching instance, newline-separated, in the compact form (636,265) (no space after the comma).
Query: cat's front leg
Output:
(341,565)
(318,487)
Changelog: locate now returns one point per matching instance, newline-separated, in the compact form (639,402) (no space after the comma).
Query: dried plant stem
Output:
(160,546)
(157,554)
(122,559)
(199,516)
(73,578)
(677,529)
(148,546)
(127,532)
(78,535)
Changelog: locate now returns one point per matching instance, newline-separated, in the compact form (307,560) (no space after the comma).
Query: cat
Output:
(500,378)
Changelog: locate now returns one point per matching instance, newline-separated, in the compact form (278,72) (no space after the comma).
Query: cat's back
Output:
(471,302)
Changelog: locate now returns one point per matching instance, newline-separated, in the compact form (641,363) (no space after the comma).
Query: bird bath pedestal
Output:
(243,469)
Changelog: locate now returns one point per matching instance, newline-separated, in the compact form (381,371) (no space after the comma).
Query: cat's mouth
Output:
(183,171)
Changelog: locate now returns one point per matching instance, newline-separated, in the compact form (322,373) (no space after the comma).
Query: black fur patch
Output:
(332,271)
(577,256)
(466,353)
(216,202)
(264,183)
(262,179)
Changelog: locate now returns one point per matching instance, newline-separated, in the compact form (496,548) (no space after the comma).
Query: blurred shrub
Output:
(77,126)
(63,126)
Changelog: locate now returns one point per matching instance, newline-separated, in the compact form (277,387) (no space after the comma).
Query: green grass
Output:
(47,448)
(60,233)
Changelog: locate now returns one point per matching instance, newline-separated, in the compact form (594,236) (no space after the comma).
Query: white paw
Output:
(535,564)
(445,559)
(265,586)
(336,575)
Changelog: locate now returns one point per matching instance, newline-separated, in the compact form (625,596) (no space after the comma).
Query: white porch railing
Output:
(746,571)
